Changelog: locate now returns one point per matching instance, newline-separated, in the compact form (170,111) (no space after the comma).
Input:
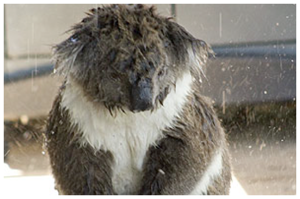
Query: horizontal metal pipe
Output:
(276,49)
(28,73)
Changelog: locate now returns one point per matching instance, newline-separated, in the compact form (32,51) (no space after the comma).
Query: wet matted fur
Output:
(129,118)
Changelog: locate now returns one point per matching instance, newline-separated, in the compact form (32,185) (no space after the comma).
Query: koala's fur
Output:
(129,118)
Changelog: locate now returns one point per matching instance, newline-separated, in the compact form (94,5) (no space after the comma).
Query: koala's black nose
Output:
(141,95)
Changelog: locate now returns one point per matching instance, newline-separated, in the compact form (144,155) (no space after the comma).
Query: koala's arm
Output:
(179,161)
(78,170)
(170,169)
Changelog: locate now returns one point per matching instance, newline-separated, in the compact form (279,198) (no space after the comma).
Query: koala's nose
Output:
(141,95)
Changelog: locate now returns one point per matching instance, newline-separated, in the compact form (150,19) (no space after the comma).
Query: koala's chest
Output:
(129,146)
(128,137)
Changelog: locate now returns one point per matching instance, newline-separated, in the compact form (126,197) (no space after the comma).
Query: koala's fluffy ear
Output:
(198,54)
(188,49)
(65,54)
(202,51)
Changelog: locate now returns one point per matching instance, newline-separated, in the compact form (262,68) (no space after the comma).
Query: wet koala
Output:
(129,117)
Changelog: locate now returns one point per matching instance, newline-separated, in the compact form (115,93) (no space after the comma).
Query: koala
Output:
(129,117)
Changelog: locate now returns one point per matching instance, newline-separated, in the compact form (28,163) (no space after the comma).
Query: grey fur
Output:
(109,54)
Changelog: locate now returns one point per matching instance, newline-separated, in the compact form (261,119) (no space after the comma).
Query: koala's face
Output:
(126,57)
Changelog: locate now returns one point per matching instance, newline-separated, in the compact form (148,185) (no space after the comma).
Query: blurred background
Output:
(252,82)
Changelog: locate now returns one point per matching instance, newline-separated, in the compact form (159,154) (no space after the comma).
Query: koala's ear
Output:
(178,37)
(65,54)
(188,49)
(202,50)
(199,52)
(82,41)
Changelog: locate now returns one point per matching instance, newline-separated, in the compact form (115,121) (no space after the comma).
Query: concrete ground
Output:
(262,163)
(265,168)
(260,174)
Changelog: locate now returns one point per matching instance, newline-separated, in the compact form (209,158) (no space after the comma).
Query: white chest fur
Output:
(128,135)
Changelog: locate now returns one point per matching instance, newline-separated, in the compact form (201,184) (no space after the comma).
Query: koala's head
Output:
(129,57)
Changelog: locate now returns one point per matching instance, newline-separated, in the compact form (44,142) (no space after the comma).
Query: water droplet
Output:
(73,39)
(250,147)
(43,152)
(265,92)
(161,171)
(24,119)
